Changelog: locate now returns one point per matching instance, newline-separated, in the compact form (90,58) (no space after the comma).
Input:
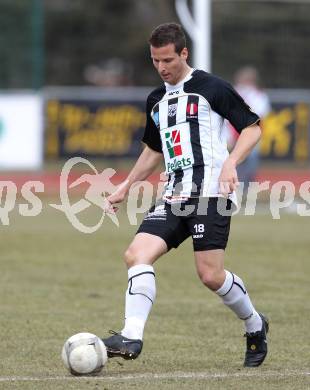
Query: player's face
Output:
(171,66)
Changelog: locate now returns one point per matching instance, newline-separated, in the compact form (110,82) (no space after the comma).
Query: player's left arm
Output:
(247,140)
(226,101)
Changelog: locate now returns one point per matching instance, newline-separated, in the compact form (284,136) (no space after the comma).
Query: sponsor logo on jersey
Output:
(172,109)
(173,143)
(156,118)
(178,164)
(1,127)
(192,110)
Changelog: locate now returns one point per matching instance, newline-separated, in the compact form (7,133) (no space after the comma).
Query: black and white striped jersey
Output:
(185,123)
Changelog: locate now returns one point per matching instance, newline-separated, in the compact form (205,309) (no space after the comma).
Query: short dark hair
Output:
(168,33)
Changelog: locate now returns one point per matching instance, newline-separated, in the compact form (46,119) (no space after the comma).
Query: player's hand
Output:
(228,180)
(117,196)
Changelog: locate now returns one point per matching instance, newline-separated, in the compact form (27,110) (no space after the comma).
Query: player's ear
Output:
(184,53)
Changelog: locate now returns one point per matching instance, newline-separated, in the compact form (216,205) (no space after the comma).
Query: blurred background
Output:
(74,76)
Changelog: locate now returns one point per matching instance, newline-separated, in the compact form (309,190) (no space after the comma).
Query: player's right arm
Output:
(146,164)
(149,159)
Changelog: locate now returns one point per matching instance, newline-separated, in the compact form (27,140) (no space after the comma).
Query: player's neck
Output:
(185,72)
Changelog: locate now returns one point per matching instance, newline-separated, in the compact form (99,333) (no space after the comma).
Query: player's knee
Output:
(210,279)
(129,257)
(132,256)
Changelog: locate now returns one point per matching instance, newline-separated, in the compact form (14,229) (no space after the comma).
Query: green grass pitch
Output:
(56,281)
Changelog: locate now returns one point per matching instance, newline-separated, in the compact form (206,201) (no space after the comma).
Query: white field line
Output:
(167,375)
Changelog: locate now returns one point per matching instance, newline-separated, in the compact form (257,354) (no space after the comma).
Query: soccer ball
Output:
(84,353)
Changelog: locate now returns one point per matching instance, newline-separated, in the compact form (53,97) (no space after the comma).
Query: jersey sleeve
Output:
(151,135)
(230,105)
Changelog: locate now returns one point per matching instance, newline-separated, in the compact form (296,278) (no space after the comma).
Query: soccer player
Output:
(184,126)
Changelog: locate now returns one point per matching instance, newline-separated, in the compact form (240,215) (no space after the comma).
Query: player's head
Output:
(169,52)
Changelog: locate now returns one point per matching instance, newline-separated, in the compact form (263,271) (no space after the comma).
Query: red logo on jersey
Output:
(173,143)
(192,109)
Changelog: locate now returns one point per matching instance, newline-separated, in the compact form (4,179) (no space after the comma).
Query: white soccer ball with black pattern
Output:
(84,353)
